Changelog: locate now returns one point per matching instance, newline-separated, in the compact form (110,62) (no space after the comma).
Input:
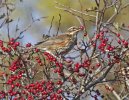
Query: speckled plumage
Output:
(60,44)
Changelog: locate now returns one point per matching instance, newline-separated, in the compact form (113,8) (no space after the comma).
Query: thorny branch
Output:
(101,57)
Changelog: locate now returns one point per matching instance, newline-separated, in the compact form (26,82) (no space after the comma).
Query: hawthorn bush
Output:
(29,73)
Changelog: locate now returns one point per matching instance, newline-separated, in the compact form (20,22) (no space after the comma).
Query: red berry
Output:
(85,34)
(119,41)
(17,44)
(97,36)
(125,43)
(1,43)
(36,50)
(59,91)
(28,45)
(118,35)
(98,64)
(82,27)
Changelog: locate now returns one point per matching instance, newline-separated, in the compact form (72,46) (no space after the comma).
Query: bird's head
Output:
(74,30)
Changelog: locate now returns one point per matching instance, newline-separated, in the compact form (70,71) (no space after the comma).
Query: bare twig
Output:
(50,25)
(59,24)
(29,26)
(7,21)
(65,8)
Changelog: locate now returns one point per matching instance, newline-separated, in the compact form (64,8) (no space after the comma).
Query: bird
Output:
(57,46)
(60,44)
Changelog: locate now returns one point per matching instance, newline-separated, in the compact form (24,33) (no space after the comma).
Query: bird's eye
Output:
(73,28)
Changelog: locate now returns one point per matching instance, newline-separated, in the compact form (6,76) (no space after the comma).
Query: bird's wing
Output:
(54,41)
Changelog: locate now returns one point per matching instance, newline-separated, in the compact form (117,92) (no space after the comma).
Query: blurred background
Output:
(26,11)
